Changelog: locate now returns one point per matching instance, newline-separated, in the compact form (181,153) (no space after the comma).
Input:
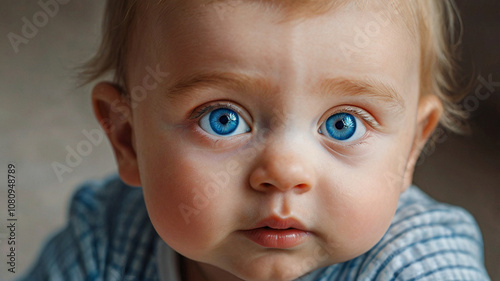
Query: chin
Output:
(272,272)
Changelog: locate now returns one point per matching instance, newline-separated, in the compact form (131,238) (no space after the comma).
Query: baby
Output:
(271,140)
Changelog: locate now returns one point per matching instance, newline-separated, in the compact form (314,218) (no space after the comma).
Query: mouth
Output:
(278,233)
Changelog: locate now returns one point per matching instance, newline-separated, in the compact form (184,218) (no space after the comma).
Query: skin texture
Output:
(201,190)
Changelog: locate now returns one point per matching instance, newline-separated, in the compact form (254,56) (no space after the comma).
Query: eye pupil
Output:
(224,119)
(339,125)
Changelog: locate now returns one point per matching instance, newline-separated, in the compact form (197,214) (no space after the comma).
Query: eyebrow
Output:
(369,88)
(222,80)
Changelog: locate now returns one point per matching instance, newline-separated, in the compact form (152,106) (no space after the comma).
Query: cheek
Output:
(361,204)
(183,197)
(360,222)
(371,214)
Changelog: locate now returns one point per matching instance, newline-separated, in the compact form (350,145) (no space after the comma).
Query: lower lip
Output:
(277,238)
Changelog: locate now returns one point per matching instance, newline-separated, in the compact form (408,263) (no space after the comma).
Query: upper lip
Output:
(276,222)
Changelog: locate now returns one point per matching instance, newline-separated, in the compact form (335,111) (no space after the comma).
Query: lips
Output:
(279,233)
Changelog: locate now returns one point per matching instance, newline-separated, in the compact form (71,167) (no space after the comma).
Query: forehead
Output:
(179,20)
(152,16)
(235,34)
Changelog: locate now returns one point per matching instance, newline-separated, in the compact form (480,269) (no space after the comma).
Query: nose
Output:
(283,167)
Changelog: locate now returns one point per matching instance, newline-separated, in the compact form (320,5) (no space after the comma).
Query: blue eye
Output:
(223,122)
(343,127)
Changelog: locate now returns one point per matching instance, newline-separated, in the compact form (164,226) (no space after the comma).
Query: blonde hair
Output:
(436,21)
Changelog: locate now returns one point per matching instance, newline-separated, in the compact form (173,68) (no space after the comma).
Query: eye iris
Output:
(341,126)
(224,121)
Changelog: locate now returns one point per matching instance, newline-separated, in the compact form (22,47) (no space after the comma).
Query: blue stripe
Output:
(443,252)
(150,254)
(427,212)
(127,224)
(334,273)
(410,204)
(347,269)
(352,273)
(416,200)
(471,268)
(85,197)
(404,231)
(400,250)
(136,243)
(338,273)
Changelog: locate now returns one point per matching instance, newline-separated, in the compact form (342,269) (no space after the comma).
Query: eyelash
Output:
(197,113)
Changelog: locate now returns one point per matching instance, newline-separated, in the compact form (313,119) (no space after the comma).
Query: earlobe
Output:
(113,112)
(429,112)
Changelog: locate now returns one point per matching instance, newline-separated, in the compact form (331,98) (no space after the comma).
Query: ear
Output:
(114,113)
(429,113)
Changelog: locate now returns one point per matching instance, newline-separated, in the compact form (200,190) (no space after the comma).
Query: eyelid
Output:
(203,109)
(363,114)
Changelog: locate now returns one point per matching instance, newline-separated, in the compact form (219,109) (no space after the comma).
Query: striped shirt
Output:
(109,237)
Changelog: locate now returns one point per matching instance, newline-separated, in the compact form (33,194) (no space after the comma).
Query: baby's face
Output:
(274,148)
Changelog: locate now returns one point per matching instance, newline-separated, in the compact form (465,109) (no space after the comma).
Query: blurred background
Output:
(465,170)
(43,115)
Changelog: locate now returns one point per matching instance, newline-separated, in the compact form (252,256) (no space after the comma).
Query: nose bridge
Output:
(284,163)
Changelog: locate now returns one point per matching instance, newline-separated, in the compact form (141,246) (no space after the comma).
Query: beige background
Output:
(42,112)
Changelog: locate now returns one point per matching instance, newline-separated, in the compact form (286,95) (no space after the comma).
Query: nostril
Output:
(302,186)
(299,187)
(266,185)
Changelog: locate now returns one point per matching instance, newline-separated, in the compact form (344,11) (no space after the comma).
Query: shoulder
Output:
(106,203)
(108,236)
(427,240)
